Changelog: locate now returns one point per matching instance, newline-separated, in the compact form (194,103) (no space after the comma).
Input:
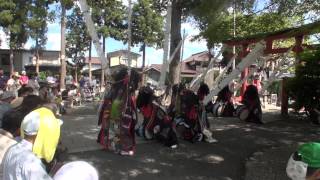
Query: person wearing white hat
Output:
(40,131)
(78,170)
(24,79)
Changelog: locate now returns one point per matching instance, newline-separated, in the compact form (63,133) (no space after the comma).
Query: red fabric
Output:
(126,80)
(257,83)
(201,96)
(147,111)
(192,114)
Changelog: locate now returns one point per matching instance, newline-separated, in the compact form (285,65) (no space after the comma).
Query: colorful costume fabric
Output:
(117,119)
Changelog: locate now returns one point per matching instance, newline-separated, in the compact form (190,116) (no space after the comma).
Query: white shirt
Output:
(6,141)
(20,163)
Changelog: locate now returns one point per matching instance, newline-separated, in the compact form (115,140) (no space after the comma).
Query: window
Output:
(30,60)
(5,60)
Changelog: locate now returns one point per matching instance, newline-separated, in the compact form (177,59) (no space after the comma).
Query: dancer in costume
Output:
(157,123)
(223,105)
(203,118)
(118,115)
(251,110)
(304,164)
(185,110)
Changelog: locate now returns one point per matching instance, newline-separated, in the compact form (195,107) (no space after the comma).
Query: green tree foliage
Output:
(39,16)
(147,25)
(23,19)
(77,37)
(14,20)
(304,88)
(109,16)
(220,29)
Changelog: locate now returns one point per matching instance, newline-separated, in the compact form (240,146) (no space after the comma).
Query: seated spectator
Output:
(305,162)
(13,83)
(24,79)
(33,83)
(23,161)
(5,101)
(9,130)
(25,91)
(3,80)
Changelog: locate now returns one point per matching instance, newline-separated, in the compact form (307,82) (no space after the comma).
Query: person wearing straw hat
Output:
(40,131)
(304,164)
(13,83)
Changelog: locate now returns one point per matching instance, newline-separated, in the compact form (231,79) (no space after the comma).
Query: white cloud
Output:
(54,40)
(28,44)
(4,40)
(154,56)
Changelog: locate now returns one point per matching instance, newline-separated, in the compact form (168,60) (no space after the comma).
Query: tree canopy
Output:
(77,37)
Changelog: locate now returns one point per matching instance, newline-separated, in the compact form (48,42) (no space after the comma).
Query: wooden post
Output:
(284,97)
(244,74)
(284,92)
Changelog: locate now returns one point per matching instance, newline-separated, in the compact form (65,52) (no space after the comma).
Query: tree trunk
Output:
(174,41)
(11,62)
(90,73)
(143,62)
(63,70)
(37,61)
(76,74)
(37,56)
(143,55)
(104,53)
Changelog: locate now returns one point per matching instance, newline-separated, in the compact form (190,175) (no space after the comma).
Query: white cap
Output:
(31,123)
(79,170)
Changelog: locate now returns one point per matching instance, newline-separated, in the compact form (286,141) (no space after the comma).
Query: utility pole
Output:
(165,62)
(129,35)
(234,33)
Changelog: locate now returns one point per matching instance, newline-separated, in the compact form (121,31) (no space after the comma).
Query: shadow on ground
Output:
(238,143)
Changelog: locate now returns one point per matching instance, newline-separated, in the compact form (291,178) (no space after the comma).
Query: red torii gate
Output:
(298,33)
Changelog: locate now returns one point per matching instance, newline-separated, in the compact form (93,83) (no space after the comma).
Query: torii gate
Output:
(298,33)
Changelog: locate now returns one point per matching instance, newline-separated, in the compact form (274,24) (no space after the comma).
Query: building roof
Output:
(185,68)
(156,67)
(30,50)
(122,52)
(198,57)
(94,60)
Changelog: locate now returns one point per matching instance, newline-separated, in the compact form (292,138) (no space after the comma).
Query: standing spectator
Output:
(50,79)
(24,79)
(69,80)
(33,83)
(3,80)
(13,83)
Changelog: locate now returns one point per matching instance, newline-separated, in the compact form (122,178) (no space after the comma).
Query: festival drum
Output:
(242,113)
(217,109)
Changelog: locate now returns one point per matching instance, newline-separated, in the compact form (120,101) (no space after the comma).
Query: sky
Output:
(153,56)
